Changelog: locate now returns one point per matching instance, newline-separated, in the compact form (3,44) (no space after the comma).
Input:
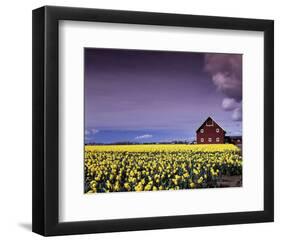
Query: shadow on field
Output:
(230,181)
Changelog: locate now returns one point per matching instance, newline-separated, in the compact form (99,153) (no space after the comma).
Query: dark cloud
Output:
(226,72)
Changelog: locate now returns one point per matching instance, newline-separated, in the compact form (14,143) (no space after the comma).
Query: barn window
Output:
(217,139)
(210,123)
(210,139)
(201,131)
(202,139)
(217,130)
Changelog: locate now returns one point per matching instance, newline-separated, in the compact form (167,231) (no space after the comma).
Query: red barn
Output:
(210,133)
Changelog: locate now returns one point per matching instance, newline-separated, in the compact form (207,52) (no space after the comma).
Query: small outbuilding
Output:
(236,140)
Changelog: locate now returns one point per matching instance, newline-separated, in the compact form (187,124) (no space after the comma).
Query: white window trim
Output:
(217,139)
(202,140)
(217,130)
(201,131)
(209,140)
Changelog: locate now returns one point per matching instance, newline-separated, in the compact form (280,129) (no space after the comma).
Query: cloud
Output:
(226,72)
(145,136)
(237,114)
(94,131)
(229,104)
(90,132)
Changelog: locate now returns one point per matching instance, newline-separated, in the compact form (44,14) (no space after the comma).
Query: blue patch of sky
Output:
(138,136)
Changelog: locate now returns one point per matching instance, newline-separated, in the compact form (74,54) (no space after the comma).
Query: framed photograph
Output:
(148,120)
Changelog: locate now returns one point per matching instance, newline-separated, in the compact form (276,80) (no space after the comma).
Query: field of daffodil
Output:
(120,168)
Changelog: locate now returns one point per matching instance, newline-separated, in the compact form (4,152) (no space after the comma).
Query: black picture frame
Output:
(45,166)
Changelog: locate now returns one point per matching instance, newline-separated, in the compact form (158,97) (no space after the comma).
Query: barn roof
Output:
(206,121)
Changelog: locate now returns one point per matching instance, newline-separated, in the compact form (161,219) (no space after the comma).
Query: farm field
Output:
(121,168)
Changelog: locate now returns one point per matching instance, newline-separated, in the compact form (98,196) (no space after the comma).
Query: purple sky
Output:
(159,95)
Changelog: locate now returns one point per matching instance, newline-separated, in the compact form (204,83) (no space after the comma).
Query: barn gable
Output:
(208,122)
